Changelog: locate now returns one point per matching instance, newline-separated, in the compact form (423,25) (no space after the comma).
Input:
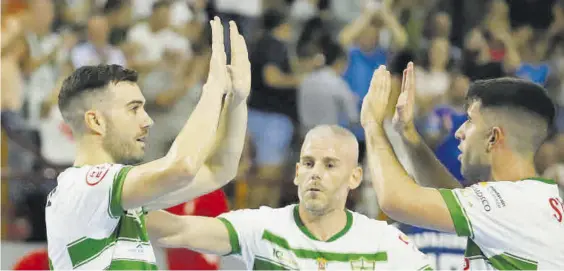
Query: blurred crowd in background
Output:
(312,61)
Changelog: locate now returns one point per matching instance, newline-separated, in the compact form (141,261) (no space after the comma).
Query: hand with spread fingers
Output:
(218,78)
(404,114)
(373,110)
(240,68)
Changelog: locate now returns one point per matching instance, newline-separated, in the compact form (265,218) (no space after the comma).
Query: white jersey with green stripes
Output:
(510,225)
(276,239)
(87,227)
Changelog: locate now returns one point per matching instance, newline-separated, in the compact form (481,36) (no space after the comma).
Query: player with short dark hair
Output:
(95,216)
(512,218)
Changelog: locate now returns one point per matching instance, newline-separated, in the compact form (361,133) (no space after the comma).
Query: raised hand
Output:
(240,68)
(218,79)
(373,110)
(404,114)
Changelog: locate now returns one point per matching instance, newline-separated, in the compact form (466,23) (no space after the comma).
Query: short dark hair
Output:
(91,78)
(333,52)
(513,92)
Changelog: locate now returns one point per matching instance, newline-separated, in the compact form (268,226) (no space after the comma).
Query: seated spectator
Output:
(478,62)
(324,97)
(432,78)
(97,49)
(365,52)
(438,128)
(272,108)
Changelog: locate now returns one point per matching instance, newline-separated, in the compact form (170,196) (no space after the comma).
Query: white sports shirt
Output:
(510,225)
(276,239)
(87,227)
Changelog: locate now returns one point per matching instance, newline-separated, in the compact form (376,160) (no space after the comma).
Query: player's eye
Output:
(135,109)
(330,165)
(307,163)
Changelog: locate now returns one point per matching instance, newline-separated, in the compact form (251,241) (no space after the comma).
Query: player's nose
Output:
(147,121)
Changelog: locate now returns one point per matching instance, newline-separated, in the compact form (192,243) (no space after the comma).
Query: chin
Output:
(314,205)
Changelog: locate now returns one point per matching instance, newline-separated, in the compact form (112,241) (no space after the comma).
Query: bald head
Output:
(340,140)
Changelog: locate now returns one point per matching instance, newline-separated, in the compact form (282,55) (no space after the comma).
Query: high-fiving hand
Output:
(375,102)
(403,117)
(240,68)
(218,79)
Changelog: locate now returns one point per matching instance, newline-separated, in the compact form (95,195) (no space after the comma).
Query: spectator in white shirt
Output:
(97,49)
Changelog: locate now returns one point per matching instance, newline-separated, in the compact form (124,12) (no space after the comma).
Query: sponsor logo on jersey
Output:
(499,202)
(96,174)
(404,238)
(482,198)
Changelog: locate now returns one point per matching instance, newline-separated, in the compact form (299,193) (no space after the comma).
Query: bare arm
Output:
(398,195)
(428,170)
(202,234)
(223,162)
(191,147)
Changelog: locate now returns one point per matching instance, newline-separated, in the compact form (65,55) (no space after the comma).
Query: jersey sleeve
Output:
(96,196)
(475,210)
(403,254)
(245,229)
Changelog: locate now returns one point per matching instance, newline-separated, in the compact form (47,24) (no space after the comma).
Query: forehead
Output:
(125,92)
(324,146)
(474,108)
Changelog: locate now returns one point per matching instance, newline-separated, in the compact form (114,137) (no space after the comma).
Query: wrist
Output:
(374,128)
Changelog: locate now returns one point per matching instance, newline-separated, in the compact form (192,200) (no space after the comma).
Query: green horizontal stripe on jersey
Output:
(86,249)
(233,237)
(508,261)
(379,256)
(131,265)
(461,223)
(261,263)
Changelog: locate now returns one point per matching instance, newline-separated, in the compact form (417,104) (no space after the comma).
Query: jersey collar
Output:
(305,230)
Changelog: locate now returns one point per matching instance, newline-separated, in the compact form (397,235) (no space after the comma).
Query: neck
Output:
(513,167)
(90,152)
(323,226)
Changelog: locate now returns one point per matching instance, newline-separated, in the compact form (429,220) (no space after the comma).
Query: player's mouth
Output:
(313,189)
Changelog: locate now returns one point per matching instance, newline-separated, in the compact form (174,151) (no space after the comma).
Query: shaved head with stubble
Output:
(328,168)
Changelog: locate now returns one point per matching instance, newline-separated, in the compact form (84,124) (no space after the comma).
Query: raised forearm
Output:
(195,141)
(389,177)
(230,140)
(427,169)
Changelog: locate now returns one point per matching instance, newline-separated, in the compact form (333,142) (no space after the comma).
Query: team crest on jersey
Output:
(321,264)
(363,264)
(96,174)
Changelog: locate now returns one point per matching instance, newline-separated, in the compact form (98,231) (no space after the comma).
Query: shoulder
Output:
(91,175)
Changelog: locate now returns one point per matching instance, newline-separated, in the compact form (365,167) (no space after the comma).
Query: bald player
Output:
(318,233)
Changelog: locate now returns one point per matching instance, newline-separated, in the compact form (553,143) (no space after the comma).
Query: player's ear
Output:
(356,178)
(494,137)
(95,122)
